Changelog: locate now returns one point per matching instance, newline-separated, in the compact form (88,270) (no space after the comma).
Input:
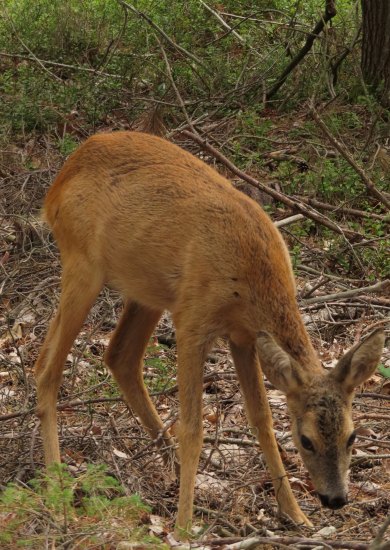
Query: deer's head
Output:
(320,408)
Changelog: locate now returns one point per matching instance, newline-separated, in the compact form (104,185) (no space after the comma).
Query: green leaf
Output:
(385,371)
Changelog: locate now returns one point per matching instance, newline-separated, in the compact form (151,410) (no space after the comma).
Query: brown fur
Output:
(141,215)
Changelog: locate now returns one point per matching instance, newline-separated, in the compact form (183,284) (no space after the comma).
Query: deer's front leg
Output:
(259,414)
(191,356)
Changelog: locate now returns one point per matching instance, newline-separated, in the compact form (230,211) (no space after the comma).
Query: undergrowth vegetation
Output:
(54,508)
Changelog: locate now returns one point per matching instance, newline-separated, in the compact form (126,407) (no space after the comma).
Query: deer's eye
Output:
(351,439)
(307,444)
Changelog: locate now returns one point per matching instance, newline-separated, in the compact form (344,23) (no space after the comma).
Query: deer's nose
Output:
(334,502)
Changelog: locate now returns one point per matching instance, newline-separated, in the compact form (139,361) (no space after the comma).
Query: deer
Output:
(139,214)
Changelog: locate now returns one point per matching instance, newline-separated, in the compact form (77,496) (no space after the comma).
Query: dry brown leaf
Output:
(367,432)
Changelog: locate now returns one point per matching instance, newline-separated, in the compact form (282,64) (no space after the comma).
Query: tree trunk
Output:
(376,47)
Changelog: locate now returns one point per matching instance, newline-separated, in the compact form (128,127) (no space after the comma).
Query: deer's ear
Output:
(278,366)
(360,362)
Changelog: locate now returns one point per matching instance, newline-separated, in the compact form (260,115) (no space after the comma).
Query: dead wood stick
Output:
(382,285)
(359,301)
(306,210)
(343,210)
(231,441)
(240,543)
(359,459)
(289,220)
(373,395)
(330,12)
(372,189)
(372,416)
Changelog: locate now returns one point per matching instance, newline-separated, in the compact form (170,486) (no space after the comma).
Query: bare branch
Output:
(330,12)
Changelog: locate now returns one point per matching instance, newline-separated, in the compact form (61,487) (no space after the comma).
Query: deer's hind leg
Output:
(80,286)
(124,357)
(259,413)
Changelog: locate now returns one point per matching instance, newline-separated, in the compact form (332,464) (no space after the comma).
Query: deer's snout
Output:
(333,502)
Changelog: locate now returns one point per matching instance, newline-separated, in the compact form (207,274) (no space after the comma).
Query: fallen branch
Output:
(373,395)
(372,416)
(231,441)
(330,12)
(306,210)
(372,189)
(240,543)
(359,459)
(358,301)
(382,285)
(343,210)
(289,220)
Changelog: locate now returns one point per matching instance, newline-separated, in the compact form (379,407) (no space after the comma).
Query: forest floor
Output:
(234,496)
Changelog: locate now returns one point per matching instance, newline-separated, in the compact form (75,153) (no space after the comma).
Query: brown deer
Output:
(139,214)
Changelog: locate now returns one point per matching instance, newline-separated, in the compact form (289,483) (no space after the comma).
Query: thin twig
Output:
(61,65)
(173,83)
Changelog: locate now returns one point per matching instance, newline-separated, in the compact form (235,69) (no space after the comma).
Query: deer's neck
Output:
(294,338)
